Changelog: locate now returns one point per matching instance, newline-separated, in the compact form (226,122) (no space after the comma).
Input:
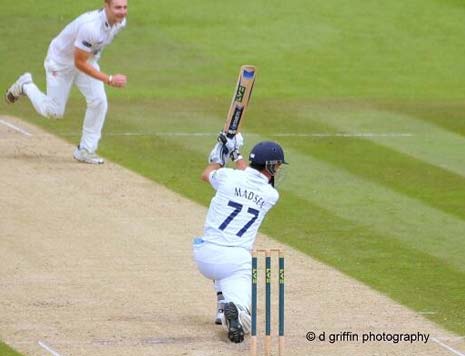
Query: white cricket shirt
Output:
(242,199)
(90,32)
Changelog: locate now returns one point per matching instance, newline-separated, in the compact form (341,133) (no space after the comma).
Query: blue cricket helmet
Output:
(267,154)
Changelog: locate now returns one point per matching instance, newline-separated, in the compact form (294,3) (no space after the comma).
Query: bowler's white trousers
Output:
(229,267)
(60,78)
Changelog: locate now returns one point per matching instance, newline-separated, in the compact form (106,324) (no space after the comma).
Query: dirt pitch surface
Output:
(96,260)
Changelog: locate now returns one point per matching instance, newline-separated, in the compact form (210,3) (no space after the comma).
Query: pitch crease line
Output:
(48,348)
(447,347)
(316,134)
(16,128)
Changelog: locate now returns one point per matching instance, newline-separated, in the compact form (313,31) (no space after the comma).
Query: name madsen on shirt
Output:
(249,195)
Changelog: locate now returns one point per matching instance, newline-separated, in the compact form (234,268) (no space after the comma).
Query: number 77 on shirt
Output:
(240,100)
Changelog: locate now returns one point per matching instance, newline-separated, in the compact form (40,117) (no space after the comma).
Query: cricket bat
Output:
(240,100)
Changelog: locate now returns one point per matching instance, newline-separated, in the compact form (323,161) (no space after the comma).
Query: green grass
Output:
(5,350)
(387,210)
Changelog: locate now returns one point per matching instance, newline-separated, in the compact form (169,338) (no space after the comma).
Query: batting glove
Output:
(218,154)
(235,156)
(233,143)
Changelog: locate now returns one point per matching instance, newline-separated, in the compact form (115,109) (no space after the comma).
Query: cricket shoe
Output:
(235,330)
(83,155)
(245,319)
(16,90)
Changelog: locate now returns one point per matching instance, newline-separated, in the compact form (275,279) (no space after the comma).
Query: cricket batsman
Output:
(243,197)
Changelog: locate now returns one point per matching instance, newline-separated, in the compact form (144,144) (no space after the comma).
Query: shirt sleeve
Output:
(217,177)
(272,198)
(85,39)
(275,196)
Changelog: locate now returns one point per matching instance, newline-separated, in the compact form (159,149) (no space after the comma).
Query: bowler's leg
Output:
(59,82)
(97,106)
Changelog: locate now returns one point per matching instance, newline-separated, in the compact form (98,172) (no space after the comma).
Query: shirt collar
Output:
(105,23)
(257,174)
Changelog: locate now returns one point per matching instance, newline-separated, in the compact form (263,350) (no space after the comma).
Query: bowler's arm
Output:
(81,61)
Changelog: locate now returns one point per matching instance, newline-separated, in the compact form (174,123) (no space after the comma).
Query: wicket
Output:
(253,331)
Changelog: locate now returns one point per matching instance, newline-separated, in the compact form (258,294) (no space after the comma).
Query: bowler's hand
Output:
(118,81)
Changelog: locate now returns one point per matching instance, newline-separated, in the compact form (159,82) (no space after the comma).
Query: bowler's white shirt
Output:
(242,199)
(90,32)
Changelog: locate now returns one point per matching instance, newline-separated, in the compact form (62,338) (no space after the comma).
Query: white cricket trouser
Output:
(229,267)
(60,78)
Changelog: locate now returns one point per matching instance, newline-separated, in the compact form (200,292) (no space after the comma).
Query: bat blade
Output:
(240,100)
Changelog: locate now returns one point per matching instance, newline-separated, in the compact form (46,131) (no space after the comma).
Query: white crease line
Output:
(447,347)
(315,134)
(54,353)
(11,126)
(342,134)
(452,338)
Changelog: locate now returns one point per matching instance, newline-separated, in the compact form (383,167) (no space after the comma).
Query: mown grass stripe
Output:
(449,115)
(365,201)
(430,143)
(429,184)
